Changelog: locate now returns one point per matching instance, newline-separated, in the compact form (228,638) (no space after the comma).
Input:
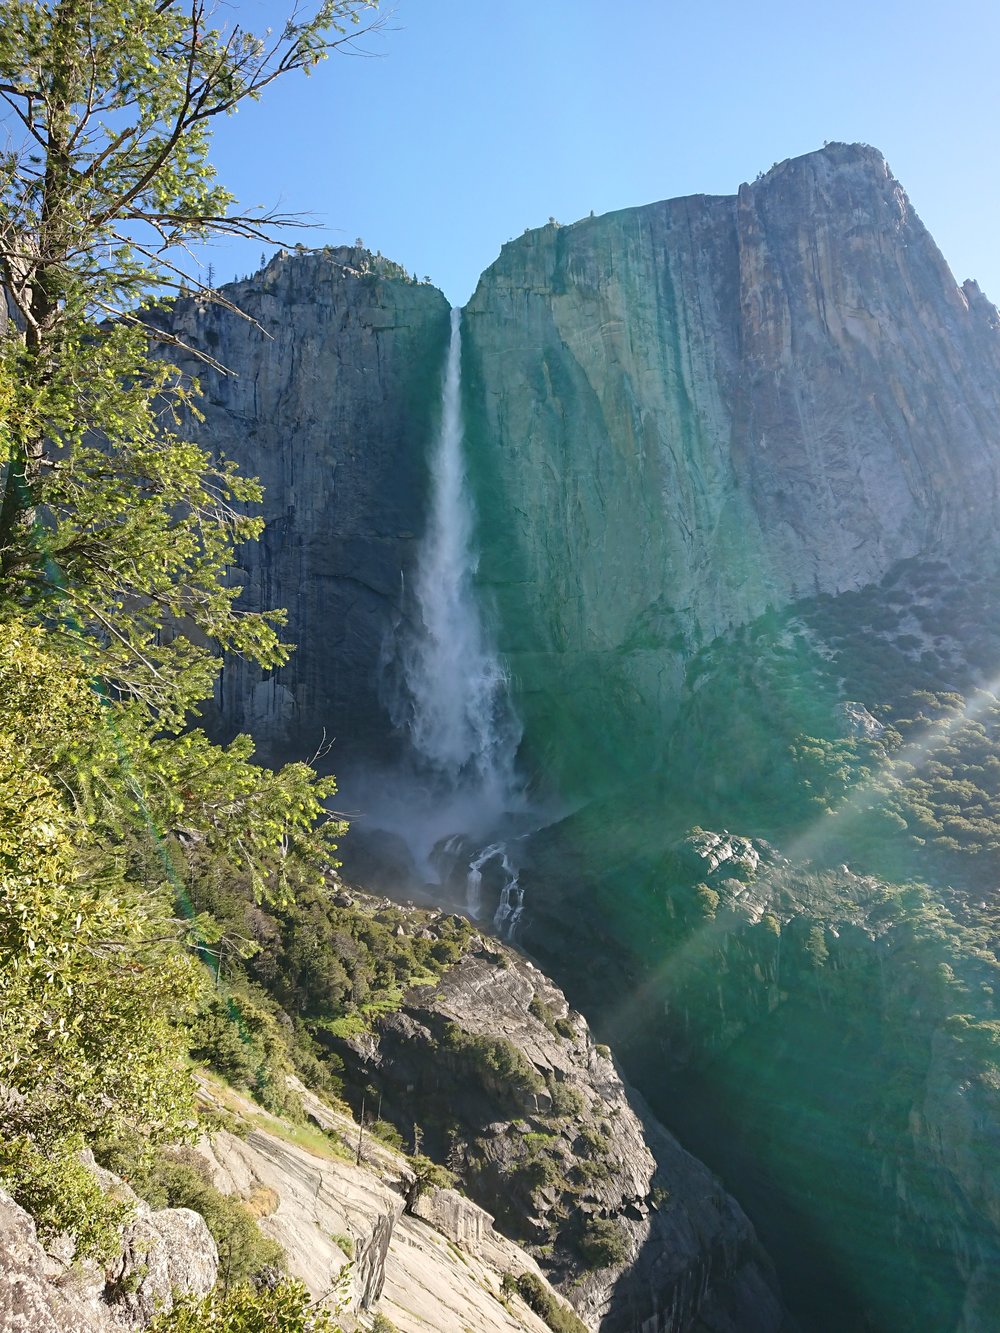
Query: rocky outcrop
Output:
(339,1208)
(164,1254)
(437,1269)
(330,399)
(508,1086)
(324,1213)
(31,1300)
(683,413)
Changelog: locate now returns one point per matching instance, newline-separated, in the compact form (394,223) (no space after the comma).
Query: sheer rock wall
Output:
(683,413)
(331,399)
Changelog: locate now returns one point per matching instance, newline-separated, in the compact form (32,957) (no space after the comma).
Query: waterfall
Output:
(461,725)
(454,703)
(511,904)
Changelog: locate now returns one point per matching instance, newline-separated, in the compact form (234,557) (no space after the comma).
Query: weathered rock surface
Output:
(509,1087)
(164,1254)
(330,403)
(31,1300)
(682,413)
(316,1200)
(438,1268)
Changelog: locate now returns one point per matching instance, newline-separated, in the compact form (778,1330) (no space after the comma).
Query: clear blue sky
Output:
(478,118)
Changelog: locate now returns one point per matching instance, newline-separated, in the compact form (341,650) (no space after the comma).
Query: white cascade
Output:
(474,882)
(463,731)
(460,721)
(511,904)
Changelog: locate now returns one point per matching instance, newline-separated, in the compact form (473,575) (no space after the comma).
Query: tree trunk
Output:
(43,288)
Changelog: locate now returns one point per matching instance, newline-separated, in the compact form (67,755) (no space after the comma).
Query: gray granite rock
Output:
(575,1145)
(31,1300)
(164,1254)
(439,1268)
(683,413)
(330,401)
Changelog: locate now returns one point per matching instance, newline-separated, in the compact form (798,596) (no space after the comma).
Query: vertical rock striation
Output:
(685,412)
(330,401)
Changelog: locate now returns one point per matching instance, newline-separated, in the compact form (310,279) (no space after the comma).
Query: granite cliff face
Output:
(684,421)
(351,1233)
(330,401)
(683,413)
(555,1143)
(676,416)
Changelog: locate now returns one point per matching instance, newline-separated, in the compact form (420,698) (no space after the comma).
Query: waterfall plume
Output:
(459,789)
(460,721)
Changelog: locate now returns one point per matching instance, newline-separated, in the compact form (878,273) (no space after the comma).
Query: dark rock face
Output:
(788,1021)
(331,404)
(683,413)
(508,1086)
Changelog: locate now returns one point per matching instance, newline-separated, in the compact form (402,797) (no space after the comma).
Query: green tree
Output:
(115,539)
(104,185)
(93,986)
(287,1307)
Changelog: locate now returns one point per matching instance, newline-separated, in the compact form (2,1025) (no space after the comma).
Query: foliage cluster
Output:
(383,1324)
(497,1061)
(62,1194)
(248,1309)
(429,1175)
(178,1177)
(334,961)
(538,1298)
(878,945)
(117,535)
(603,1243)
(765,739)
(558,1025)
(93,980)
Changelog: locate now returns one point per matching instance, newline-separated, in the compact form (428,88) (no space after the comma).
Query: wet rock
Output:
(859,723)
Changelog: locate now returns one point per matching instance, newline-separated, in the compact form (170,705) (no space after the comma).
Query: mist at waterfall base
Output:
(455,801)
